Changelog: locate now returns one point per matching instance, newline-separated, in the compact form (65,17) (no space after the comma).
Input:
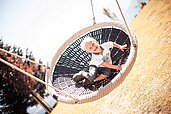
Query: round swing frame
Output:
(119,78)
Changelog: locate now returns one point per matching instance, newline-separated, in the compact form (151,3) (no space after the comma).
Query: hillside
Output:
(147,88)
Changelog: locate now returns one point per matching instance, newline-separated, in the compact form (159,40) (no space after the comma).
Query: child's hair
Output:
(86,40)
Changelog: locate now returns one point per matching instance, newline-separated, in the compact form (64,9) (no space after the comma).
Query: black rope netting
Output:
(74,59)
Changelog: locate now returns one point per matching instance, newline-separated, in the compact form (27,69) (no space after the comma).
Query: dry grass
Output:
(147,88)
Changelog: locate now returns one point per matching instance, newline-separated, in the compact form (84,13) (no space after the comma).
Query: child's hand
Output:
(123,66)
(123,47)
(118,67)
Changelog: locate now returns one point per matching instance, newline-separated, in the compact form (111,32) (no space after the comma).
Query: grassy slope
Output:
(147,88)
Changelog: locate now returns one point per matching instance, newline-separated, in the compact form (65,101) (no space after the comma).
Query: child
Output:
(101,62)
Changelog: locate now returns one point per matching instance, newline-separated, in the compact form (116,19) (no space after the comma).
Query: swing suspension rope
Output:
(123,17)
(94,20)
(120,12)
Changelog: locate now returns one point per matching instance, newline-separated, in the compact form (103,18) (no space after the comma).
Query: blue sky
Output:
(43,26)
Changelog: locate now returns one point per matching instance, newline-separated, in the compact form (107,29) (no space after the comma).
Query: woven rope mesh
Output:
(74,59)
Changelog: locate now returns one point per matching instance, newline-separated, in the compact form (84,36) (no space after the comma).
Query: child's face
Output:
(93,47)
